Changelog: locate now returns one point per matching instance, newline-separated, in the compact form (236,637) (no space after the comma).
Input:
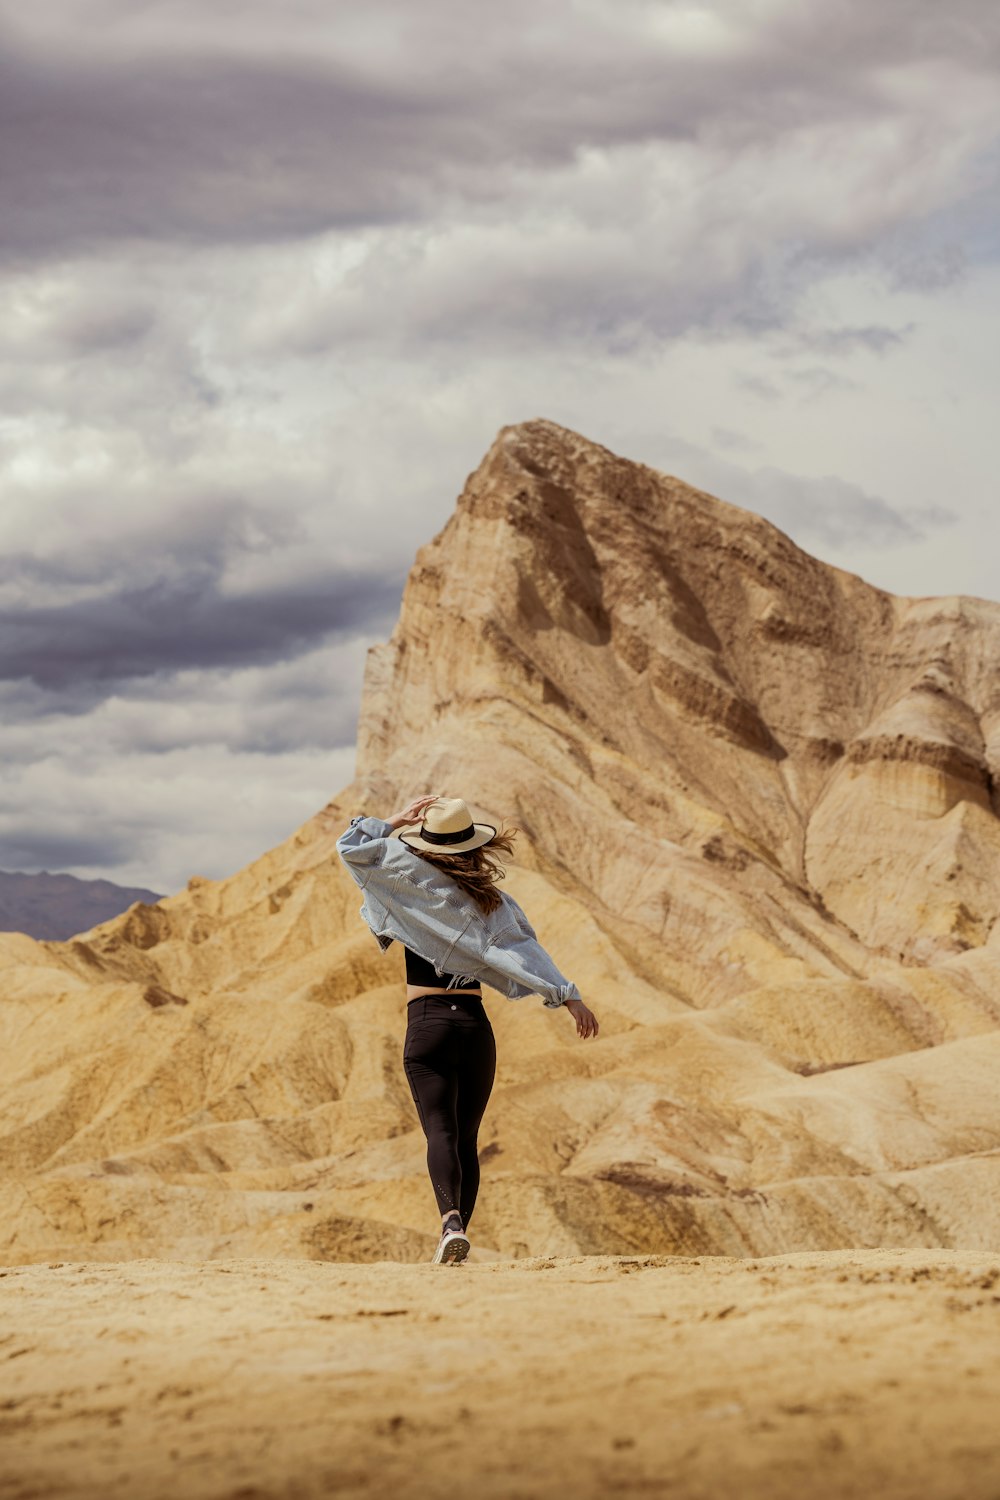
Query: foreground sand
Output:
(827,1374)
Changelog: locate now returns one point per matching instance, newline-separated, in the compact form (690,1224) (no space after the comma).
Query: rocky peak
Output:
(758,826)
(653,636)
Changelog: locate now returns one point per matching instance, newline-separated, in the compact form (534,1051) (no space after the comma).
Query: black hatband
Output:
(449,838)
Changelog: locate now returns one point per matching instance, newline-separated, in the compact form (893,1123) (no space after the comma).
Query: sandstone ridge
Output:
(758,804)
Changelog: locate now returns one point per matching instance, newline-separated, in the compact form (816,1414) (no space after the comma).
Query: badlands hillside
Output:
(758,804)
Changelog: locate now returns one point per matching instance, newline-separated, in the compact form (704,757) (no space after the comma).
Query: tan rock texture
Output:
(759,827)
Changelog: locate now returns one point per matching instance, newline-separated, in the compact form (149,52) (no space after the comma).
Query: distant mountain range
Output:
(56,907)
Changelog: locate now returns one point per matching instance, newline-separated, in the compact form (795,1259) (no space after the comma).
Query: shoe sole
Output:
(452,1250)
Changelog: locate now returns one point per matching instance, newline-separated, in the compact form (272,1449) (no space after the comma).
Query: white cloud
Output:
(156,819)
(269,290)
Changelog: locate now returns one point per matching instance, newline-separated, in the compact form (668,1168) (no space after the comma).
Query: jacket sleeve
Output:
(522,920)
(362,846)
(523,959)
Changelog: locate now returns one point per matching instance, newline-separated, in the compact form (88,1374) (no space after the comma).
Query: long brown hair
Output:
(477,871)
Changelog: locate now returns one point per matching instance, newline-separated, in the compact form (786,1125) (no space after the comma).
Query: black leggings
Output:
(450,1060)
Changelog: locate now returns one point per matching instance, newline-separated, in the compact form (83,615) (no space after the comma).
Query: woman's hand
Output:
(415,812)
(586,1021)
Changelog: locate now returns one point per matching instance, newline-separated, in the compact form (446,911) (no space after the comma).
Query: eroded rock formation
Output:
(759,827)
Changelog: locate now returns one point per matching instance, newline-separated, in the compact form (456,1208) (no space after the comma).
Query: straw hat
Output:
(448,828)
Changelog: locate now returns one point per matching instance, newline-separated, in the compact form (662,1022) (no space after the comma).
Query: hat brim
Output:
(483,835)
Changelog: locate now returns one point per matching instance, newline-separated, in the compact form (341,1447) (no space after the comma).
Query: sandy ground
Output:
(861,1373)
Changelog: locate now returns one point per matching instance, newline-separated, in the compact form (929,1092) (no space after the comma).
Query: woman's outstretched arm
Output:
(523,958)
(586,1021)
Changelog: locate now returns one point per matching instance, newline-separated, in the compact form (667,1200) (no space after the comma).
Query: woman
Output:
(436,893)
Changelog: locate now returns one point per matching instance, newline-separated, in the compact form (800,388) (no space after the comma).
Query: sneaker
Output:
(453,1247)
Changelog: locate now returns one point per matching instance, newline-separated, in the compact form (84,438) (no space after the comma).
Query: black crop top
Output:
(419,971)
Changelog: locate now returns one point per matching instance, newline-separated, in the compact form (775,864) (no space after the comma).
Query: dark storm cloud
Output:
(23,702)
(308,701)
(151,532)
(220,150)
(24,847)
(215,140)
(173,624)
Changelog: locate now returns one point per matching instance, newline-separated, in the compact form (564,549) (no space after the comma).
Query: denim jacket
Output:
(407,900)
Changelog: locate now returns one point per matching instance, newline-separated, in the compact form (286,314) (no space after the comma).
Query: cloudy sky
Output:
(274,272)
